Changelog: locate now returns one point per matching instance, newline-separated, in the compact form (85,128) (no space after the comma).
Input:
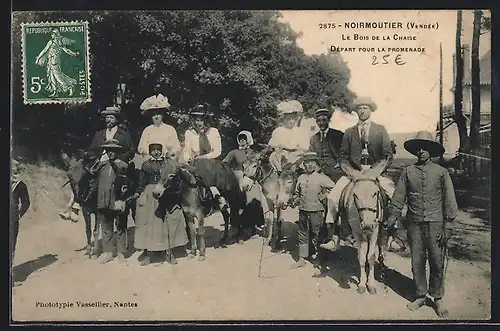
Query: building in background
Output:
(451,139)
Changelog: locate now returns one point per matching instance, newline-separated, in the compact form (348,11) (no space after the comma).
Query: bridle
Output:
(378,209)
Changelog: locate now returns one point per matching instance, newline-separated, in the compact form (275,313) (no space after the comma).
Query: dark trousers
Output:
(107,219)
(309,226)
(422,238)
(15,232)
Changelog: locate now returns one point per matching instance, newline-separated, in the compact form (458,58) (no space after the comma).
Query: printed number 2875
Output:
(327,25)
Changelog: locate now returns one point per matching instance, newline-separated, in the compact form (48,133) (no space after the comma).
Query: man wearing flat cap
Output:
(427,189)
(365,152)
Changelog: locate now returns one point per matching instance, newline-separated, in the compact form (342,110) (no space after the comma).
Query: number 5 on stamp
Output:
(55,64)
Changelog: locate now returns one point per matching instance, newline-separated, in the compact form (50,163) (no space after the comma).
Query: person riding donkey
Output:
(109,207)
(98,155)
(366,152)
(288,143)
(235,160)
(432,206)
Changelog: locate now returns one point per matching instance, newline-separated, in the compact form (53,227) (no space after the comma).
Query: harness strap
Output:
(345,196)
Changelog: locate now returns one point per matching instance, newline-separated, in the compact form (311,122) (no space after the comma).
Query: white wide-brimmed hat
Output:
(154,103)
(289,107)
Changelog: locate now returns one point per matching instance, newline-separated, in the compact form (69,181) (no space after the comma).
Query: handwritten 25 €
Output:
(384,59)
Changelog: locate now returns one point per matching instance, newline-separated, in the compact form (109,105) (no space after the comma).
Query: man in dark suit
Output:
(366,152)
(326,144)
(112,131)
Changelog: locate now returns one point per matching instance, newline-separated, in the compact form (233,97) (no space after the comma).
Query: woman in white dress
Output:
(158,132)
(289,142)
(202,141)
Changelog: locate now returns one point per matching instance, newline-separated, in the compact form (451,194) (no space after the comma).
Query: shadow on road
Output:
(342,266)
(399,283)
(22,271)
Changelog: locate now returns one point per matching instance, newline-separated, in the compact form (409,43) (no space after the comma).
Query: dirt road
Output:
(226,285)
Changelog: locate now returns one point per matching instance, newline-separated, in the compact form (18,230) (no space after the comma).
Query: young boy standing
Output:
(310,193)
(20,202)
(428,191)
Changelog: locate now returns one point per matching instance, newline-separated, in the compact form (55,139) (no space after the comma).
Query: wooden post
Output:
(441,124)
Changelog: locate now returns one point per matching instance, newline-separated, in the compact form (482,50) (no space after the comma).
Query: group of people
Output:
(314,170)
(334,159)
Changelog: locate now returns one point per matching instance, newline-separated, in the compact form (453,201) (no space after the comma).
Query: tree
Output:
(459,116)
(475,82)
(242,63)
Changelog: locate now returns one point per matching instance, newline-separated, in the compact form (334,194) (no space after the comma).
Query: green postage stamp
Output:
(56,66)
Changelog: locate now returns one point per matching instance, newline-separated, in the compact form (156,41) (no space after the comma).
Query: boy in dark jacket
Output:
(20,203)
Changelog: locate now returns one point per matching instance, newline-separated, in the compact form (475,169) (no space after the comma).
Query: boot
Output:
(333,232)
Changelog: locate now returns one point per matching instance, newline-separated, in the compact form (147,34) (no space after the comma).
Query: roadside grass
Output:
(44,184)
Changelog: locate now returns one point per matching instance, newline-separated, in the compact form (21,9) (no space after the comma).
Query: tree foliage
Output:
(242,63)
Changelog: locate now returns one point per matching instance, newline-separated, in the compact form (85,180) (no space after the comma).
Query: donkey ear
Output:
(188,176)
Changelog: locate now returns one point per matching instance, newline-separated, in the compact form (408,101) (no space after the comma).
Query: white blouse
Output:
(294,138)
(192,144)
(164,134)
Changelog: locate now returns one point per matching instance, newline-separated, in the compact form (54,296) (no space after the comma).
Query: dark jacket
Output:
(379,149)
(428,191)
(122,135)
(329,162)
(20,201)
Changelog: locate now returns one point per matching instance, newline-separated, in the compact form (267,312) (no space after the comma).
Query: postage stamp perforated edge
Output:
(87,62)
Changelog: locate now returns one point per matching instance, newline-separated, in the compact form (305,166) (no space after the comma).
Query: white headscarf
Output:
(248,135)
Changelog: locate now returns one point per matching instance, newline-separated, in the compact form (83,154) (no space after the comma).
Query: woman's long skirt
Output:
(154,233)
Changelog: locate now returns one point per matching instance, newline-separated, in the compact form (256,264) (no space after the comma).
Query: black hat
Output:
(154,146)
(423,140)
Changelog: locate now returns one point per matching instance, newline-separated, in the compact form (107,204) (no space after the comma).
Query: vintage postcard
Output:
(196,165)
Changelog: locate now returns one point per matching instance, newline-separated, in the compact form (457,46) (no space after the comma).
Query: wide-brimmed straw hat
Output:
(367,101)
(155,103)
(424,140)
(201,110)
(111,110)
(246,134)
(289,107)
(322,112)
(111,144)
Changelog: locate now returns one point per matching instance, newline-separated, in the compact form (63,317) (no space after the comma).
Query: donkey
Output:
(80,180)
(260,170)
(364,205)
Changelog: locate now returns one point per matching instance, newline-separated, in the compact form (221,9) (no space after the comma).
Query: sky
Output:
(407,96)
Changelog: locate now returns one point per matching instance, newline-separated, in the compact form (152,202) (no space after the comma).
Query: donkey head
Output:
(367,199)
